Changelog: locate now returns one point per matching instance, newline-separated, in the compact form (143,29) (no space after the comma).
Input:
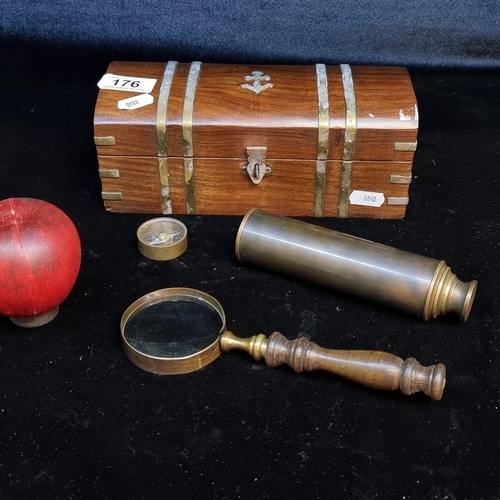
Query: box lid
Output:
(296,112)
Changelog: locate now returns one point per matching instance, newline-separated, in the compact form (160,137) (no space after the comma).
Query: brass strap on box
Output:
(109,173)
(323,139)
(162,108)
(405,146)
(349,139)
(112,195)
(187,136)
(161,136)
(108,140)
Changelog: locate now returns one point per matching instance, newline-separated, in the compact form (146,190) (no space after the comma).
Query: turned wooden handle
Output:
(376,369)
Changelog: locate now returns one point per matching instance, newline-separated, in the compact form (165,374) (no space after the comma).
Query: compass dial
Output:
(162,238)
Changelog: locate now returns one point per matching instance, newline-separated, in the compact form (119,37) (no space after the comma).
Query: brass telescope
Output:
(418,285)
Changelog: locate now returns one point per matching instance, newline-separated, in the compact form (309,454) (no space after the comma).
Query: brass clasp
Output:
(256,168)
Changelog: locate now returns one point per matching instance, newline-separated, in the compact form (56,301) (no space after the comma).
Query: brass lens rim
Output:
(177,365)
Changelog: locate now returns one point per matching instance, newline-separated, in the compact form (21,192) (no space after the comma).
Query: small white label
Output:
(126,83)
(366,198)
(135,102)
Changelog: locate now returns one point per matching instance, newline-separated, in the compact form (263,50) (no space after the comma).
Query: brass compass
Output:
(162,238)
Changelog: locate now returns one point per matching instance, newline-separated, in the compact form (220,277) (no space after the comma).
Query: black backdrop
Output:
(78,420)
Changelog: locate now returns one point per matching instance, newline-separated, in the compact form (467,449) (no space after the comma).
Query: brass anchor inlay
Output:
(257,77)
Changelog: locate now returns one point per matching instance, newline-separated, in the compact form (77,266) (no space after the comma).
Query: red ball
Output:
(40,257)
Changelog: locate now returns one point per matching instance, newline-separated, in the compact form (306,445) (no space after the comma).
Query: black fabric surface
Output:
(426,32)
(79,421)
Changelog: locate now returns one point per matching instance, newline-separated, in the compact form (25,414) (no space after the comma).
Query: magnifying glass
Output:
(181,330)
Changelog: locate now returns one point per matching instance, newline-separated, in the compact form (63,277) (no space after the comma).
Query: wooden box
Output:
(309,140)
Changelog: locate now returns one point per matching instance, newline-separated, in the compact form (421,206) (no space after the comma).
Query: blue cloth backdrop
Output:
(426,33)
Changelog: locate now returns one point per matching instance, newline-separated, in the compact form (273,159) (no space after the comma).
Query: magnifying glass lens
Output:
(173,329)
